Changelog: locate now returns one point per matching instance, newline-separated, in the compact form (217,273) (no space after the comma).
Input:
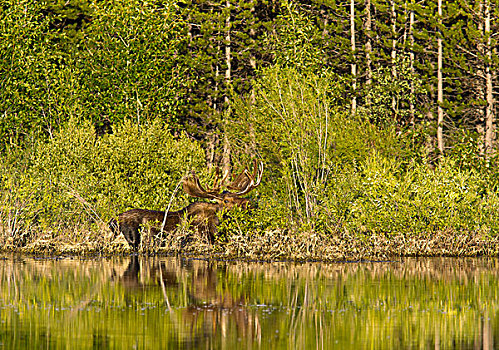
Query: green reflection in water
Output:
(175,303)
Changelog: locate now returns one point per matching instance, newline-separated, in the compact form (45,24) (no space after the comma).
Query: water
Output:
(161,303)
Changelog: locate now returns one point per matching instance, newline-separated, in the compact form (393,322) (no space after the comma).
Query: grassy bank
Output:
(335,186)
(277,245)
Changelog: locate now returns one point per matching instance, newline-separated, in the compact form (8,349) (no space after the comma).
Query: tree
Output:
(129,63)
(368,49)
(489,109)
(440,92)
(354,64)
(36,79)
(411,56)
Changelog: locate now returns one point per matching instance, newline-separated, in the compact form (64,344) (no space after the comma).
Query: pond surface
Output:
(159,303)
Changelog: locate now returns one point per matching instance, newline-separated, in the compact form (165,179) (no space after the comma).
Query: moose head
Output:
(202,216)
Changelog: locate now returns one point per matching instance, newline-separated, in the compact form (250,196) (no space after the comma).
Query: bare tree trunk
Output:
(440,94)
(479,85)
(354,65)
(252,32)
(394,53)
(411,59)
(228,57)
(227,112)
(489,111)
(369,78)
(217,73)
(212,146)
(212,137)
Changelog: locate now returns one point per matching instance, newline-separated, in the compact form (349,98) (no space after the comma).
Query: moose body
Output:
(202,216)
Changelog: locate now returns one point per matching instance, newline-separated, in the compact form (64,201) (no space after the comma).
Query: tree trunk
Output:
(211,149)
(489,111)
(411,61)
(354,65)
(440,94)
(369,69)
(227,112)
(480,88)
(252,32)
(394,53)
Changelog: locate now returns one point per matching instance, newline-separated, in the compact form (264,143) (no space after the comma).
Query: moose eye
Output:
(226,201)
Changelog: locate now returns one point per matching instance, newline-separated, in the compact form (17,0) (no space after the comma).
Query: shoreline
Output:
(279,246)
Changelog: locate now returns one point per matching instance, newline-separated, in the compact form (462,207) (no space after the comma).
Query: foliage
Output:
(378,198)
(128,63)
(329,171)
(302,131)
(27,65)
(296,42)
(74,74)
(385,89)
(120,63)
(77,178)
(108,60)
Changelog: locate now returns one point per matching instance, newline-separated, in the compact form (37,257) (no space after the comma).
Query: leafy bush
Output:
(303,134)
(129,63)
(122,62)
(377,198)
(331,172)
(78,178)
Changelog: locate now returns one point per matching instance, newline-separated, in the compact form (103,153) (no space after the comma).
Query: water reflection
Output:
(136,302)
(208,308)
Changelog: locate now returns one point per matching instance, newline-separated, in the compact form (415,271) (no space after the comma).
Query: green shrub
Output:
(303,133)
(77,178)
(377,198)
(122,61)
(331,172)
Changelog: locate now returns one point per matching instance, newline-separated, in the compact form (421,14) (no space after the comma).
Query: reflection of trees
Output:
(208,310)
(192,303)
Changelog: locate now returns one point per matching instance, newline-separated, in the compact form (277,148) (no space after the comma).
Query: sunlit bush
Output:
(331,172)
(299,127)
(377,198)
(77,178)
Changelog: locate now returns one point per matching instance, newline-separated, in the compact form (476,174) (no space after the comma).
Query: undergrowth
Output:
(334,186)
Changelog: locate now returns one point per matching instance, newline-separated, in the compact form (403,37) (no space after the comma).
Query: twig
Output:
(169,205)
(90,210)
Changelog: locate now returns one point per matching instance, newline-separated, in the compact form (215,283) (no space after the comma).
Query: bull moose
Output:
(202,216)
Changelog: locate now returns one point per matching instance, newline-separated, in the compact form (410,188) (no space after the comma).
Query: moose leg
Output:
(129,231)
(208,228)
(132,235)
(211,229)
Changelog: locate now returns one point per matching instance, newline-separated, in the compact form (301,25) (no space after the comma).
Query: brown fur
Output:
(201,215)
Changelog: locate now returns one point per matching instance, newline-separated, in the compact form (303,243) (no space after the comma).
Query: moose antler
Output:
(219,181)
(245,182)
(242,184)
(193,187)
